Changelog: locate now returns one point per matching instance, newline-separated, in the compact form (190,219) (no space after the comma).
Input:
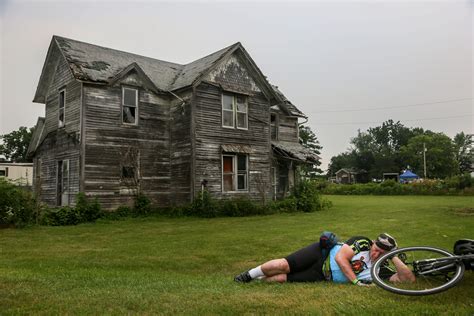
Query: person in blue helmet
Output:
(347,262)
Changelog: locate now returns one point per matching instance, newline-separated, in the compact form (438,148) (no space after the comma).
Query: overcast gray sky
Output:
(348,65)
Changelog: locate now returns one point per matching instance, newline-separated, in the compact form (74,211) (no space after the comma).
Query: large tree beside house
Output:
(117,123)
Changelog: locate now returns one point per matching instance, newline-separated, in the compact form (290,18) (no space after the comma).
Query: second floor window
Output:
(274,126)
(62,105)
(129,105)
(234,111)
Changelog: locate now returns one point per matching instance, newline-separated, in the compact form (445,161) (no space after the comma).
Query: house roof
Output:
(351,171)
(37,136)
(294,151)
(288,106)
(102,65)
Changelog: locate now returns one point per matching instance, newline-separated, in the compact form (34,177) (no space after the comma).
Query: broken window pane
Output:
(241,104)
(128,172)
(62,102)
(129,114)
(61,99)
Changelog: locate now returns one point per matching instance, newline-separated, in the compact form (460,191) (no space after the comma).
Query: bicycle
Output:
(436,270)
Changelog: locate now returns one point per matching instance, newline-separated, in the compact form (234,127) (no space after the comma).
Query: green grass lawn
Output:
(186,266)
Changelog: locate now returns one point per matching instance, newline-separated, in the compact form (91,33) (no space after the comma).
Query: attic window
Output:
(129,105)
(62,104)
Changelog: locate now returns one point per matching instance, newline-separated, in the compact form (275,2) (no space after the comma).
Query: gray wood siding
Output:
(60,143)
(288,129)
(63,79)
(107,139)
(210,135)
(58,146)
(180,149)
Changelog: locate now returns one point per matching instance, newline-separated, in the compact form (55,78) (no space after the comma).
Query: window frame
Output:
(60,181)
(274,126)
(62,123)
(236,173)
(235,112)
(129,106)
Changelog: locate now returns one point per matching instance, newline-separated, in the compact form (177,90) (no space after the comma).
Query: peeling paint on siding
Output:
(234,75)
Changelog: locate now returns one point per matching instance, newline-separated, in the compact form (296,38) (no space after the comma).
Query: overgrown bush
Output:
(84,211)
(142,205)
(203,206)
(17,207)
(240,207)
(287,205)
(88,211)
(307,197)
(61,216)
(457,185)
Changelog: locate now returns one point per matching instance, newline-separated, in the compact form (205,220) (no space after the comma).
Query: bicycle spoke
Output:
(433,272)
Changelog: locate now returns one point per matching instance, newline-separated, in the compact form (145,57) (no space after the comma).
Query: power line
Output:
(408,120)
(388,107)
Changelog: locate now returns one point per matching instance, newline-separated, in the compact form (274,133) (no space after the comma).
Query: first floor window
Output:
(129,105)
(63,182)
(128,172)
(235,172)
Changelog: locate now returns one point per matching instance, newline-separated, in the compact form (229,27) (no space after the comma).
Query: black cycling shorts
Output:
(306,265)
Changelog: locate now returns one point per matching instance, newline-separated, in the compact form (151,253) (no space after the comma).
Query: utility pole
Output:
(424,159)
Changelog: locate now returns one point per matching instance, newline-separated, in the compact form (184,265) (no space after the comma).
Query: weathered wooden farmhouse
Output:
(117,122)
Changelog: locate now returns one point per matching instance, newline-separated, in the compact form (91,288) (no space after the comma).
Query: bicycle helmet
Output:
(386,242)
(464,247)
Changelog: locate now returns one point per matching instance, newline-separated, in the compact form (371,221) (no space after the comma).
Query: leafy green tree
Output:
(464,154)
(440,155)
(15,144)
(309,140)
(344,160)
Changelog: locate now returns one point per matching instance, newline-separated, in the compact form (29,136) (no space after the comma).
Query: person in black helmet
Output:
(347,262)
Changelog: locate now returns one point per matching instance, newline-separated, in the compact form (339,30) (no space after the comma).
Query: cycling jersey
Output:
(360,262)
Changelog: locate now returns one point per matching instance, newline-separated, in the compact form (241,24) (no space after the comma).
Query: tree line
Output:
(393,147)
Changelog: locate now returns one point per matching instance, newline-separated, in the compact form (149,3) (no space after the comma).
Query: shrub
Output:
(240,207)
(307,197)
(88,211)
(61,216)
(457,185)
(287,205)
(17,206)
(142,205)
(121,212)
(204,206)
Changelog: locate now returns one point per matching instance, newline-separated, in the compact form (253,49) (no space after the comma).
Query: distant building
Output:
(351,175)
(17,173)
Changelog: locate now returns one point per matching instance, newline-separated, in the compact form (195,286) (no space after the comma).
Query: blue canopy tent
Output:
(408,176)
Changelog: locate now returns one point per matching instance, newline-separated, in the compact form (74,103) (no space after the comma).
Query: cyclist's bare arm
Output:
(403,274)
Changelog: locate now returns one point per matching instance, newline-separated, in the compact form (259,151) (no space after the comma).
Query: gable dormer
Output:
(233,75)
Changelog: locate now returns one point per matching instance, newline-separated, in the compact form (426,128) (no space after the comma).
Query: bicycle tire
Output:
(428,284)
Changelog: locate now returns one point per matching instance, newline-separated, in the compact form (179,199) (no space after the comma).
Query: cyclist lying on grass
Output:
(348,262)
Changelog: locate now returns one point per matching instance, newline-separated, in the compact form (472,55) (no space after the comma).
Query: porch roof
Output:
(294,151)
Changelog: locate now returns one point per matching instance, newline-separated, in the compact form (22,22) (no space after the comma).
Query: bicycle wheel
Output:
(434,271)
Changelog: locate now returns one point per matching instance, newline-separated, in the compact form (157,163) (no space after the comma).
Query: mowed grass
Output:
(185,266)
